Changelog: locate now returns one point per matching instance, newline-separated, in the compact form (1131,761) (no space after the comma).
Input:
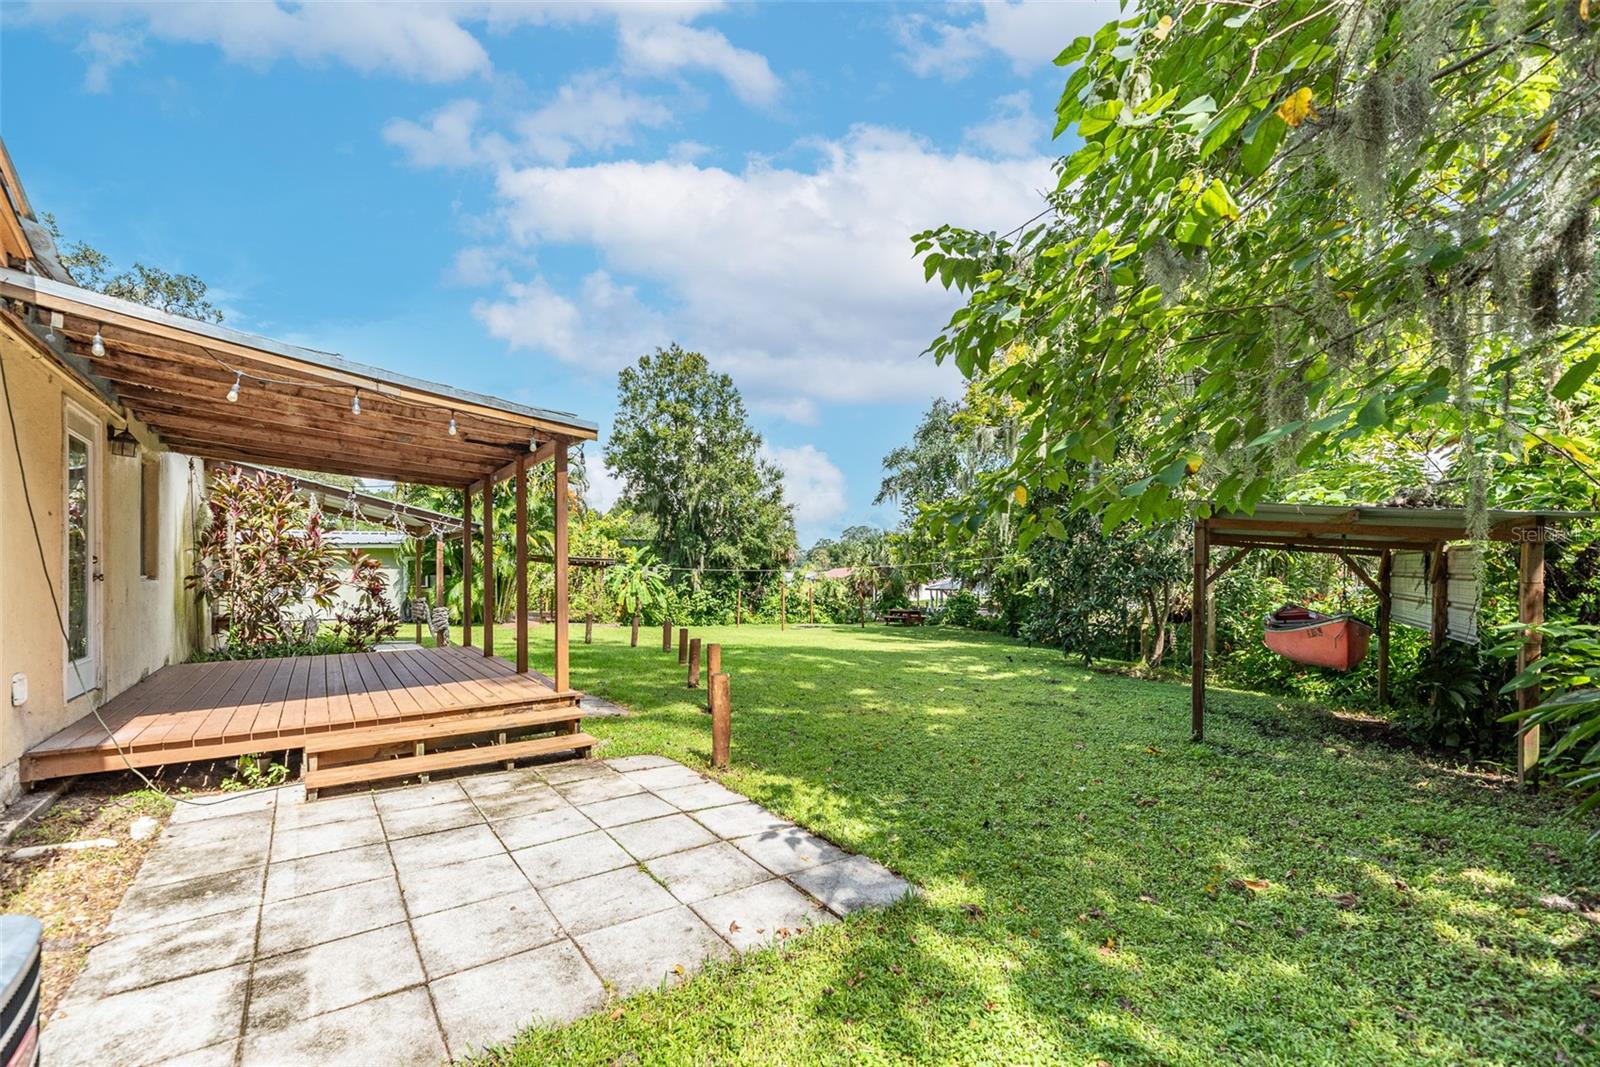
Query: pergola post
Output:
(488,566)
(1530,612)
(522,564)
(416,586)
(1385,613)
(1197,630)
(438,578)
(466,568)
(561,635)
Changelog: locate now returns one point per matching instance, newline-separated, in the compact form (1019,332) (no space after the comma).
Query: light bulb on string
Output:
(98,345)
(233,390)
(355,403)
(452,424)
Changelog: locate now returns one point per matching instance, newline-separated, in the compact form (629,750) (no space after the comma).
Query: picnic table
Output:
(904,616)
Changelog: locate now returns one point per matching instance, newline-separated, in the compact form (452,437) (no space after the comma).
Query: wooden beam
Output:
(1385,619)
(121,328)
(1227,565)
(545,450)
(466,568)
(488,570)
(521,481)
(562,673)
(1439,577)
(1295,544)
(1197,629)
(329,464)
(1530,612)
(1360,572)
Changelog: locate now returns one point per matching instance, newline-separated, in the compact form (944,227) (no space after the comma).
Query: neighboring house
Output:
(837,573)
(383,545)
(110,412)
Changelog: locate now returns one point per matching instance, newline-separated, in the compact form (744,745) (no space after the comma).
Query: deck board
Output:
(225,707)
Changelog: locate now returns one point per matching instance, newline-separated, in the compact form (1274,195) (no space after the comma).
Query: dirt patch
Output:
(74,892)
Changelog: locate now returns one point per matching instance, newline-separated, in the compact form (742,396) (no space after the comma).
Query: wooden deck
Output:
(200,711)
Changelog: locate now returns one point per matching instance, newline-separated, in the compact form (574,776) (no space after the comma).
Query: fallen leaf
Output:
(1147,802)
(617,1014)
(1146,898)
(733,927)
(1298,107)
(990,1005)
(972,910)
(1153,750)
(1257,884)
(677,968)
(1345,900)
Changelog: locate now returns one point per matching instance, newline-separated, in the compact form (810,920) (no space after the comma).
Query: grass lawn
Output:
(1099,888)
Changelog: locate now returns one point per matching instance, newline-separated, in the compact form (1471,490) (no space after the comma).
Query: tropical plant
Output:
(255,772)
(372,618)
(259,554)
(637,582)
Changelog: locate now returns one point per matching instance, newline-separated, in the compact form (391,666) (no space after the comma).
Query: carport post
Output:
(1530,612)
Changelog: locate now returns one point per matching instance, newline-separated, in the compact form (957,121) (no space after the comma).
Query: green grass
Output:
(1098,887)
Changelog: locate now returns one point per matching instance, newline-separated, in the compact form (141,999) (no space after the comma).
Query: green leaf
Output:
(1099,117)
(1261,143)
(1373,414)
(1073,52)
(1221,129)
(1570,382)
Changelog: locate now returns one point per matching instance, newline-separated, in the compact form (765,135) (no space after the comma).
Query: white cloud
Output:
(105,51)
(798,282)
(1030,33)
(811,482)
(446,139)
(665,47)
(1012,128)
(589,112)
(421,41)
(604,488)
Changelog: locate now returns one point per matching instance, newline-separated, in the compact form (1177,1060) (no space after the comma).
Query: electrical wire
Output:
(55,602)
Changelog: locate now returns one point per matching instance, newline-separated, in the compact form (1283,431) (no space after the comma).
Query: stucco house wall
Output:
(143,622)
(385,548)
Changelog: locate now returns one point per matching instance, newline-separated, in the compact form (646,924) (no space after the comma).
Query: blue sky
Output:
(523,198)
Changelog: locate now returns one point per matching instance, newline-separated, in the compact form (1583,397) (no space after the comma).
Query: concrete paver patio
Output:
(422,923)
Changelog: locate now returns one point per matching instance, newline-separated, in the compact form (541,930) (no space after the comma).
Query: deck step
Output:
(428,730)
(406,766)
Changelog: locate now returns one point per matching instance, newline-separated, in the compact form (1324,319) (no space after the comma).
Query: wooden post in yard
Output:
(466,568)
(811,603)
(683,644)
(635,642)
(861,607)
(1197,629)
(488,566)
(521,476)
(438,582)
(1385,612)
(738,607)
(562,658)
(588,627)
(721,719)
(1530,612)
(713,668)
(416,586)
(694,664)
(783,605)
(666,635)
(1439,585)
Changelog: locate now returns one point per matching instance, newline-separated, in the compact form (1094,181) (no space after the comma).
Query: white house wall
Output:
(145,623)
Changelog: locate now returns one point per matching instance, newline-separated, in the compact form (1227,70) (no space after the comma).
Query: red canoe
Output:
(1306,636)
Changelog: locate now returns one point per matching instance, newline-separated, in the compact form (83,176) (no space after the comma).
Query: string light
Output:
(233,390)
(355,403)
(452,424)
(533,443)
(98,345)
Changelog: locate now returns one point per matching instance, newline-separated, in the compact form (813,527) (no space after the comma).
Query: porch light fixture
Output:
(122,443)
(98,345)
(533,443)
(233,390)
(452,424)
(355,403)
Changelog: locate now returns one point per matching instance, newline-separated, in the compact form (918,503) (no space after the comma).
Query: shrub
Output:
(960,609)
(373,618)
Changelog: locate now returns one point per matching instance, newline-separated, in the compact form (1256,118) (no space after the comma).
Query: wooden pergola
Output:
(1366,538)
(227,396)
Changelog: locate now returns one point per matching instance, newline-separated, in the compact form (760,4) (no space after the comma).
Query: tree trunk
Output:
(635,641)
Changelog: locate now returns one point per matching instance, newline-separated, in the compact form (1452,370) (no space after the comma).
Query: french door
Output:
(82,552)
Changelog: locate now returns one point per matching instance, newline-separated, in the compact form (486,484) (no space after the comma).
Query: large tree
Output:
(1294,226)
(180,294)
(687,456)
